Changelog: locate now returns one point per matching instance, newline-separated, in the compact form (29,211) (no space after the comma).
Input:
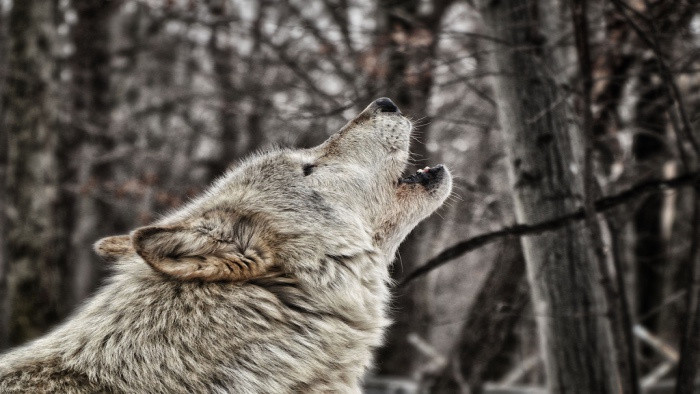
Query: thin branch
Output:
(619,315)
(521,370)
(321,38)
(625,312)
(656,343)
(653,43)
(298,69)
(656,374)
(690,345)
(440,7)
(519,230)
(339,13)
(672,299)
(437,360)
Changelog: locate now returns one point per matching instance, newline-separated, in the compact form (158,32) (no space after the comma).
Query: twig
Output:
(339,14)
(456,369)
(656,374)
(321,38)
(673,298)
(624,308)
(520,230)
(437,360)
(490,388)
(524,367)
(656,343)
(653,43)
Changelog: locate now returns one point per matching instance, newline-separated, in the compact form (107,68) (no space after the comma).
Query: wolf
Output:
(273,281)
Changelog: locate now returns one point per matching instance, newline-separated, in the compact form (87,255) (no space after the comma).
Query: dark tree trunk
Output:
(652,150)
(90,140)
(35,251)
(690,335)
(223,58)
(4,300)
(650,247)
(543,168)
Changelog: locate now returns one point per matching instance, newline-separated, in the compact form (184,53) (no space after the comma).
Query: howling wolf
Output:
(273,281)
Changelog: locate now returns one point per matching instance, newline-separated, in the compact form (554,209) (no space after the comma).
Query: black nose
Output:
(386,105)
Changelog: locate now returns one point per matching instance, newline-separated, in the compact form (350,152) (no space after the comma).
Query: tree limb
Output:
(519,230)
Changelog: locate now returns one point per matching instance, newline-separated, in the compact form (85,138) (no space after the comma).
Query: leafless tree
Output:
(544,169)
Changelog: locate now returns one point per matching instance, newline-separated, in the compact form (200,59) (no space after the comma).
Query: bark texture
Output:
(222,55)
(689,362)
(34,254)
(88,142)
(544,173)
(4,302)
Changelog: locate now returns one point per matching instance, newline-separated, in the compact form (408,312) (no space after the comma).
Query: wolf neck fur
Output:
(184,353)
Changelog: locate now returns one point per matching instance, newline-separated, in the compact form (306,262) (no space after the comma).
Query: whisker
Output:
(418,126)
(460,187)
(448,204)
(400,260)
(416,156)
(417,133)
(417,140)
(455,197)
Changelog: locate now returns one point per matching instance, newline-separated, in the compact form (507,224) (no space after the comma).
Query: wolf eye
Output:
(308,169)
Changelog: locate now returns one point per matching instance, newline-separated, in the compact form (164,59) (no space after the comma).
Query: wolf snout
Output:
(429,177)
(385,104)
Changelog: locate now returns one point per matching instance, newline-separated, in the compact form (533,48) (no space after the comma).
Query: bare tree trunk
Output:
(543,168)
(690,338)
(655,102)
(616,298)
(4,301)
(222,57)
(34,252)
(91,112)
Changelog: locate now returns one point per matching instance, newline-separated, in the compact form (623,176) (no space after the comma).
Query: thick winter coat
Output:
(274,281)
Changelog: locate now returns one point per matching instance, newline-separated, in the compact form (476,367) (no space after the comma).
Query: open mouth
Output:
(428,177)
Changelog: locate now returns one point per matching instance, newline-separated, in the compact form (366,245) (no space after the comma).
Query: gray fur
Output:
(272,282)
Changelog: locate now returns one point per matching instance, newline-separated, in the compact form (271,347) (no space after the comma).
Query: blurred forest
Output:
(568,259)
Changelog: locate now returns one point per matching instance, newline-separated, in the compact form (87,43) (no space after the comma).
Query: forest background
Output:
(567,259)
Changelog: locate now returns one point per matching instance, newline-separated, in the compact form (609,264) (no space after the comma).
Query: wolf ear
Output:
(210,251)
(114,247)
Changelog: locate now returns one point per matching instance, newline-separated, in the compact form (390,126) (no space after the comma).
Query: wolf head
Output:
(280,209)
